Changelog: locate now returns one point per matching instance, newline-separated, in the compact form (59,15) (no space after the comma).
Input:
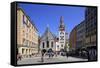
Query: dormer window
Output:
(24,19)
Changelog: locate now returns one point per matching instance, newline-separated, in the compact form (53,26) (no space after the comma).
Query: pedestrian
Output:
(67,54)
(49,55)
(52,54)
(42,57)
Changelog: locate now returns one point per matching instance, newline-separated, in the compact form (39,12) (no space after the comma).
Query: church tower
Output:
(62,34)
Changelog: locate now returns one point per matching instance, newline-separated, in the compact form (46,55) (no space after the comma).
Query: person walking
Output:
(42,57)
(67,54)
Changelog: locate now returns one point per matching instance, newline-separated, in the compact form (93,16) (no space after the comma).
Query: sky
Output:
(49,15)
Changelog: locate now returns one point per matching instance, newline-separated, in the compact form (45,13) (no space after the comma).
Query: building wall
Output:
(57,46)
(72,39)
(47,36)
(80,42)
(91,26)
(67,42)
(27,34)
(53,47)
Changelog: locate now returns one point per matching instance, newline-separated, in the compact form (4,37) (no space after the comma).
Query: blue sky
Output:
(43,15)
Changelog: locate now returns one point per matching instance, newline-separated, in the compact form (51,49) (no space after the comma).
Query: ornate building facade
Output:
(63,36)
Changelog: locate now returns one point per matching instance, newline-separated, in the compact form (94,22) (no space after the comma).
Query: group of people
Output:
(51,54)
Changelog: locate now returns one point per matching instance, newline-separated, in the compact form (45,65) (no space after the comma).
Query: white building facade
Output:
(62,41)
(47,41)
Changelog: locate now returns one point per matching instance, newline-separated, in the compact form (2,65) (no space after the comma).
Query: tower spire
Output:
(61,20)
(47,27)
(62,26)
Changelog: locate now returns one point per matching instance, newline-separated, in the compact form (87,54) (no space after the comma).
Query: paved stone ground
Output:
(36,60)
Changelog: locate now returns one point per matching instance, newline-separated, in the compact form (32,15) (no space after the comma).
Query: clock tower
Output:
(62,34)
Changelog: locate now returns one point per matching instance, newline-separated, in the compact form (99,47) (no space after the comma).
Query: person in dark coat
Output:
(42,57)
(67,54)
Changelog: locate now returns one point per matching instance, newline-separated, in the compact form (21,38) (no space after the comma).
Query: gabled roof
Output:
(47,35)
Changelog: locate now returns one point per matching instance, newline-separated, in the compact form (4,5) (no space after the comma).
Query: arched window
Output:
(26,51)
(22,51)
(57,46)
(47,44)
(51,44)
(43,44)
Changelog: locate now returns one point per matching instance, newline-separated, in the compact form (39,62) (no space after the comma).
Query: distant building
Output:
(47,41)
(77,36)
(27,35)
(80,42)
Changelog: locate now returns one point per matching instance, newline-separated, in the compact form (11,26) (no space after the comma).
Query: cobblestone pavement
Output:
(36,60)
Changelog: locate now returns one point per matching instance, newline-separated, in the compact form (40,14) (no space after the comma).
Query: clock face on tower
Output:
(62,35)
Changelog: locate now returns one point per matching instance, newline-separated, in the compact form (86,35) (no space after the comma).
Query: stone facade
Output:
(80,42)
(27,35)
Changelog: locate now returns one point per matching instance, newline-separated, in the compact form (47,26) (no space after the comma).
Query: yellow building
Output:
(27,35)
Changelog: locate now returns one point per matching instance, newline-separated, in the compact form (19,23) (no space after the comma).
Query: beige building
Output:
(27,35)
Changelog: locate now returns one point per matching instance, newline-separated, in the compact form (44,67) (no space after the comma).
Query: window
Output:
(26,51)
(24,19)
(29,50)
(32,44)
(61,45)
(23,40)
(51,44)
(61,42)
(57,46)
(26,35)
(43,44)
(22,51)
(61,37)
(47,44)
(26,42)
(29,24)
